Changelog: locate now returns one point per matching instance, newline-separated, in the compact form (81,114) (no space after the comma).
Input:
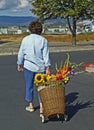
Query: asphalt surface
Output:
(79,94)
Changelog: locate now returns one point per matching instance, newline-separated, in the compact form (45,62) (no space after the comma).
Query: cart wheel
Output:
(42,118)
(65,117)
(58,116)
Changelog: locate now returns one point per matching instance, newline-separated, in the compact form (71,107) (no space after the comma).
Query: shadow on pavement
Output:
(2,42)
(72,108)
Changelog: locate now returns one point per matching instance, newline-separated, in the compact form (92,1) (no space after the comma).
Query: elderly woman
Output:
(33,57)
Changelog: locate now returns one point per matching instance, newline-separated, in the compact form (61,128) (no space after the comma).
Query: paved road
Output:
(79,97)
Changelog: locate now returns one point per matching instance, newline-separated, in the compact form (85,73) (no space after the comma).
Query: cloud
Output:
(13,4)
(22,4)
(3,5)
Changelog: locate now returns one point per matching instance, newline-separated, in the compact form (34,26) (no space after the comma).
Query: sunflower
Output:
(38,78)
(48,77)
(44,78)
(51,77)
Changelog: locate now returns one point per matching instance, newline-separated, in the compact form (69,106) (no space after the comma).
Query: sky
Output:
(15,8)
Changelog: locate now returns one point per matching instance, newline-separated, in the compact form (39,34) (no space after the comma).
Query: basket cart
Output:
(53,100)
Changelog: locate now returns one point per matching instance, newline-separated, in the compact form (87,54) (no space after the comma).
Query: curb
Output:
(53,47)
(71,48)
(13,51)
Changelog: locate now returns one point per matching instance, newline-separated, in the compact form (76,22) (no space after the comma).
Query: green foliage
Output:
(63,8)
(70,9)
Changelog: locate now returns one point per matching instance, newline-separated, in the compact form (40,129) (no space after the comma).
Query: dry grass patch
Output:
(51,38)
(58,38)
(14,38)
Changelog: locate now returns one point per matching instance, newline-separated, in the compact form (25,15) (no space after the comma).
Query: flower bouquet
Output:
(62,75)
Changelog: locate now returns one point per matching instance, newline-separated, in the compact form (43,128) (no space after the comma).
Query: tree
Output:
(72,10)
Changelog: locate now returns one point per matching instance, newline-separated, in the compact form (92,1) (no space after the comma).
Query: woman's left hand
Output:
(48,70)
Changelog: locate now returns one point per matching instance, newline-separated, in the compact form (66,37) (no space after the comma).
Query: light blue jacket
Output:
(34,53)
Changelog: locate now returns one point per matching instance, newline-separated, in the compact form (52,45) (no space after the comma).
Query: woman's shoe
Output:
(28,108)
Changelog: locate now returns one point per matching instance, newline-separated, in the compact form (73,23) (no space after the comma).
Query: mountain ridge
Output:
(16,20)
(25,20)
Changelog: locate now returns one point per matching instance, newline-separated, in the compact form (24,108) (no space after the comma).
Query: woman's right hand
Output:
(20,68)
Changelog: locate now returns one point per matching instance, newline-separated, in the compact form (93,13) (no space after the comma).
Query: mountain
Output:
(16,20)
(25,20)
(56,21)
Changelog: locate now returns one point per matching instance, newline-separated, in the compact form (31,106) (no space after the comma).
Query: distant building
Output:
(86,25)
(19,31)
(24,29)
(3,30)
(13,29)
(55,30)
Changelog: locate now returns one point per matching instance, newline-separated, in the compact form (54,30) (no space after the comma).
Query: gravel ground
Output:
(11,48)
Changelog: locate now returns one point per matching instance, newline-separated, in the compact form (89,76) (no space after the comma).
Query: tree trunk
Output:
(74,39)
(74,32)
(72,29)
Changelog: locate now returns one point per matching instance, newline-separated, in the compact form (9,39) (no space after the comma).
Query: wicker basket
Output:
(53,99)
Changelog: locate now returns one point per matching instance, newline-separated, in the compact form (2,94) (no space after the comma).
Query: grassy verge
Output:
(51,38)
